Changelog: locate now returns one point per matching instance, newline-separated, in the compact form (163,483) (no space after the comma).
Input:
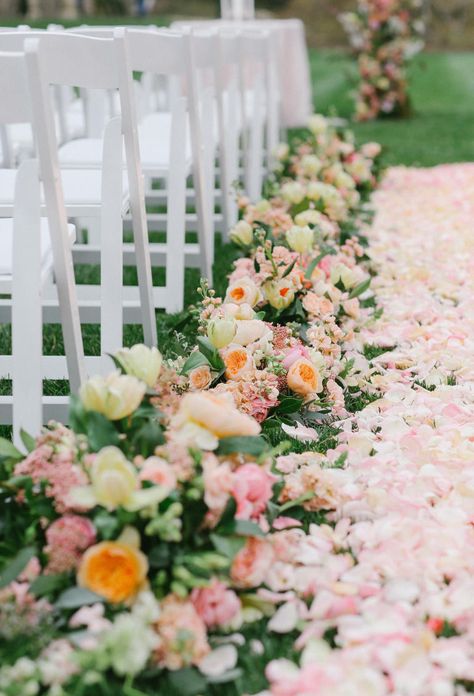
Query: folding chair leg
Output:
(111,266)
(27,324)
(176,216)
(229,165)
(255,154)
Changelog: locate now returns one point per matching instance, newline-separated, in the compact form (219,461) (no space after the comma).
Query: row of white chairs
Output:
(202,98)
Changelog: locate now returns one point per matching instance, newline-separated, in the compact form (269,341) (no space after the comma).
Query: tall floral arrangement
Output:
(385,35)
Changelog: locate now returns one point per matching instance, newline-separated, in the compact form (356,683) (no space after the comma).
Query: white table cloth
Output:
(293,63)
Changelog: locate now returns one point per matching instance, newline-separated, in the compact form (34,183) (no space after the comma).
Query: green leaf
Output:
(228,546)
(147,438)
(247,528)
(318,259)
(209,352)
(76,597)
(106,524)
(359,289)
(290,268)
(77,415)
(196,359)
(251,444)
(347,368)
(206,347)
(17,566)
(297,501)
(45,584)
(100,431)
(228,516)
(117,363)
(28,440)
(9,451)
(187,682)
(288,404)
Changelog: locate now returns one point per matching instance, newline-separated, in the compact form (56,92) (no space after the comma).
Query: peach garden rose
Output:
(238,362)
(200,378)
(303,378)
(114,569)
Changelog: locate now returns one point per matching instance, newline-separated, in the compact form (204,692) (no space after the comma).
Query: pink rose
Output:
(217,605)
(218,482)
(299,351)
(159,472)
(252,489)
(252,563)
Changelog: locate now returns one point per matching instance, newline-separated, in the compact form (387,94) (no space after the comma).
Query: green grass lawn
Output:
(442,93)
(440,130)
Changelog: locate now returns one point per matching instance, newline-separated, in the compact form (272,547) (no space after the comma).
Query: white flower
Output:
(115,396)
(300,432)
(285,618)
(318,124)
(129,644)
(219,661)
(221,331)
(293,192)
(300,239)
(141,362)
(242,233)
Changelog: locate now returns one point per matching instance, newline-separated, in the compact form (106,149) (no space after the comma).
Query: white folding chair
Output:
(32,250)
(166,54)
(259,92)
(254,107)
(106,198)
(230,124)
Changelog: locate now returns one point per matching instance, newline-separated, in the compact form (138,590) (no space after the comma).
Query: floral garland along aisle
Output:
(385,35)
(171,542)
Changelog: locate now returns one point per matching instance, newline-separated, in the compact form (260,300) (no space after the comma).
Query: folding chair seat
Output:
(82,193)
(6,251)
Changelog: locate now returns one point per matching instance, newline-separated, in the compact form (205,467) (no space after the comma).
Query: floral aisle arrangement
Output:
(385,35)
(153,544)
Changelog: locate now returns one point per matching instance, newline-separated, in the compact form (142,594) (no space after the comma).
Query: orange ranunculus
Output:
(113,569)
(238,362)
(303,378)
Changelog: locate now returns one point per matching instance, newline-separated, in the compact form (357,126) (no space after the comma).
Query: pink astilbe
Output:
(54,462)
(67,539)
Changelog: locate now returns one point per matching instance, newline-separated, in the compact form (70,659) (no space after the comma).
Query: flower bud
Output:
(141,362)
(293,192)
(221,332)
(115,396)
(344,274)
(310,165)
(317,124)
(300,239)
(282,151)
(242,233)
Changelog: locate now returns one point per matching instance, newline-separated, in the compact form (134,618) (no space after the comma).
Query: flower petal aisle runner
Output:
(285,507)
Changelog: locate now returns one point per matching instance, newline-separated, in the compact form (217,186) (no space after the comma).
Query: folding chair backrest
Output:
(14,41)
(15,102)
(97,63)
(19,106)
